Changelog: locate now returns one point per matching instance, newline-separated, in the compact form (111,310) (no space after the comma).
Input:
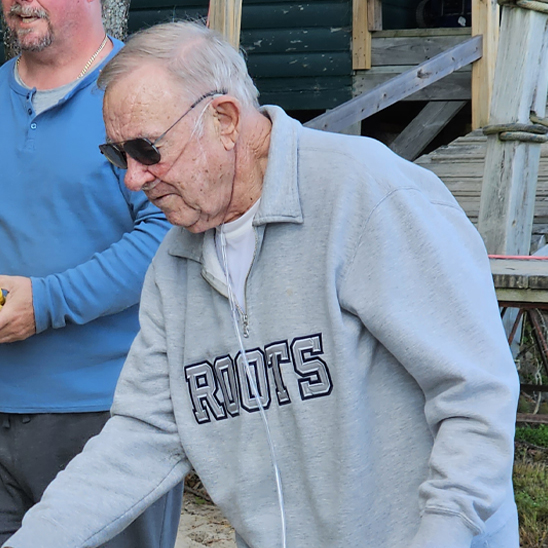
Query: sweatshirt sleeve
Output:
(136,458)
(110,281)
(420,282)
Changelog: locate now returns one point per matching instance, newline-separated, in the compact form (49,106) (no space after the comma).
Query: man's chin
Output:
(196,228)
(33,44)
(30,40)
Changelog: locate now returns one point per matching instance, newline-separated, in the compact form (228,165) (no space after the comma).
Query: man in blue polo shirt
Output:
(74,248)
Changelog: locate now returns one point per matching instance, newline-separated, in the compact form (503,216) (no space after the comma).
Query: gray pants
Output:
(34,448)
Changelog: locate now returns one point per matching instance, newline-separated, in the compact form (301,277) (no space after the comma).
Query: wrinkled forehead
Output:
(141,103)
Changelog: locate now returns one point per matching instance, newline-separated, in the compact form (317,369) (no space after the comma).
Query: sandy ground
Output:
(202,524)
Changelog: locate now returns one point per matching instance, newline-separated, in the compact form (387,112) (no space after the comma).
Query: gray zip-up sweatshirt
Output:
(376,342)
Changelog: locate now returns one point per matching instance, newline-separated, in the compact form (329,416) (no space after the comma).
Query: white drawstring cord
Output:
(234,311)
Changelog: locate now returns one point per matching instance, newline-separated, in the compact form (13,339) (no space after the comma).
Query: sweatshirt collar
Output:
(280,202)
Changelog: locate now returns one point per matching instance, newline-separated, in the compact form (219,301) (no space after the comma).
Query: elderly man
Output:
(319,340)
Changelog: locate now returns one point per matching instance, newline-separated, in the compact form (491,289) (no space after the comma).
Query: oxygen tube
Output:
(254,389)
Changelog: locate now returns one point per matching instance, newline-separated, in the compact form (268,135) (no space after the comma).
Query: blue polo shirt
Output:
(68,222)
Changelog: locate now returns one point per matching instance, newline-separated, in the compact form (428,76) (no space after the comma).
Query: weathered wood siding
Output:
(460,166)
(298,53)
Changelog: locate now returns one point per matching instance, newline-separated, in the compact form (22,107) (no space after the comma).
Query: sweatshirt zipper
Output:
(245,321)
(244,315)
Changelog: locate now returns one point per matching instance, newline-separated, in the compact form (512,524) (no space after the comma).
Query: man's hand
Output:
(17,315)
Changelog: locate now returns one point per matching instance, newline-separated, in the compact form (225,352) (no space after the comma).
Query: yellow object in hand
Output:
(2,299)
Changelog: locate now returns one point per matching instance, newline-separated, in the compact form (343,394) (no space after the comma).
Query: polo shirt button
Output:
(30,111)
(33,126)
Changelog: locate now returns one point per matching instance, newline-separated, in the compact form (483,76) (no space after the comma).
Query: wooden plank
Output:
(374,15)
(454,87)
(361,37)
(263,41)
(225,16)
(523,296)
(399,87)
(425,127)
(511,167)
(300,64)
(533,419)
(520,273)
(422,33)
(514,273)
(485,22)
(410,50)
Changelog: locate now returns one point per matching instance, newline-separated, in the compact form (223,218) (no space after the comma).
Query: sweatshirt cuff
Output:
(446,530)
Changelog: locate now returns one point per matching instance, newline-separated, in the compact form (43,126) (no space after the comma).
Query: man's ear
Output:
(227,113)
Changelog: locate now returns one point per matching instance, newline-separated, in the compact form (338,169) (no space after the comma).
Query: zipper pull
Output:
(245,320)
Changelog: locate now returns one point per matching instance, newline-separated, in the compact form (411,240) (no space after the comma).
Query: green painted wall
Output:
(298,53)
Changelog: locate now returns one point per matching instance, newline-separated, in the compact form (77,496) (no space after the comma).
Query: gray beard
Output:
(36,45)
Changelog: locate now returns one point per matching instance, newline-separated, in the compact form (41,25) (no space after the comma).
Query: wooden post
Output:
(374,14)
(361,37)
(485,22)
(225,16)
(511,167)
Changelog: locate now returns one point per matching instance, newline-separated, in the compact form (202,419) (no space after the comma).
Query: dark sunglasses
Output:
(144,150)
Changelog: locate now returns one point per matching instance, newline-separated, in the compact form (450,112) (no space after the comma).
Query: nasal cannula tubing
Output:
(234,312)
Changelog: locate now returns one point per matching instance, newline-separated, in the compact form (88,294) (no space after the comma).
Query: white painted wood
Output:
(511,168)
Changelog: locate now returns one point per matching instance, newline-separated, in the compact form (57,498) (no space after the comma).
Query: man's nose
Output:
(137,175)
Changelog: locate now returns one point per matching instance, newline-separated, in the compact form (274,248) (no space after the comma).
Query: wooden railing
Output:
(485,22)
(399,87)
(225,16)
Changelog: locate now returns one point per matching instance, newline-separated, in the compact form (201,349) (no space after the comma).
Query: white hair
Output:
(196,56)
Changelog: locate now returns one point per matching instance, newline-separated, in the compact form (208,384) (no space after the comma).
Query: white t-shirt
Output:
(240,243)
